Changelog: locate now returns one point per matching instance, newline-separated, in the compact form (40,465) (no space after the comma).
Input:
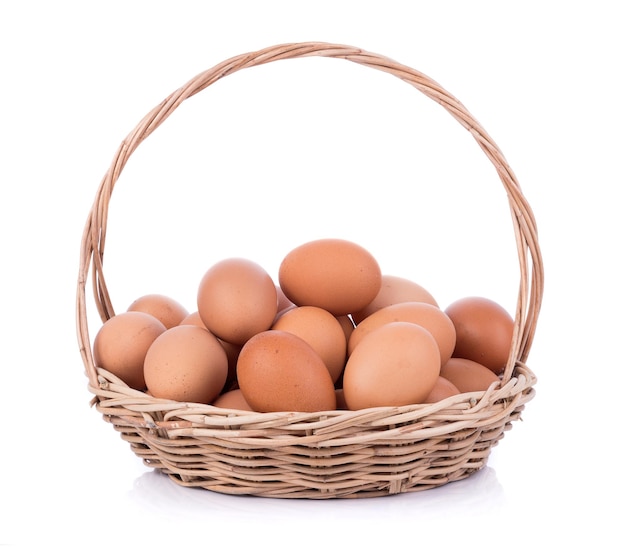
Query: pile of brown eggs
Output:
(334,333)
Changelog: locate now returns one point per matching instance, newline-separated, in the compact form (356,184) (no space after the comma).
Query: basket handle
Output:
(94,235)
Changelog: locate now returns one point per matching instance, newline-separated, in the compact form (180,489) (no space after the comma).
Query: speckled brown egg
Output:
(278,371)
(395,289)
(395,364)
(121,344)
(484,331)
(186,363)
(334,274)
(169,311)
(320,329)
(237,299)
(435,320)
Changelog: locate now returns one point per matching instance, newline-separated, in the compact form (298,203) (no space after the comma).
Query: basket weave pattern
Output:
(365,453)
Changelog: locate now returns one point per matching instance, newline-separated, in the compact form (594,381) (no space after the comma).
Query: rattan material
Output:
(365,453)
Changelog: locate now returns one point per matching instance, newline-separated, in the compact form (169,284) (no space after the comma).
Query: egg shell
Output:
(435,320)
(166,309)
(442,389)
(232,399)
(320,329)
(237,299)
(484,331)
(395,289)
(468,375)
(395,364)
(278,371)
(121,344)
(186,363)
(334,274)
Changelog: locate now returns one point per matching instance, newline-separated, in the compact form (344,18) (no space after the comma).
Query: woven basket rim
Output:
(94,233)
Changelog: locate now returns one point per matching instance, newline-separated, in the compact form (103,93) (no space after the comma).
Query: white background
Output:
(268,158)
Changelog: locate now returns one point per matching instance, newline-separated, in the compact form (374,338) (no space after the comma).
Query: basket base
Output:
(357,492)
(379,475)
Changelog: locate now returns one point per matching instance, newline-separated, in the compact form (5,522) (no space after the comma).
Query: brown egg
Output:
(164,308)
(193,318)
(484,331)
(278,371)
(282,311)
(121,344)
(232,350)
(232,399)
(232,354)
(320,329)
(237,299)
(442,389)
(394,289)
(347,324)
(468,375)
(395,364)
(186,363)
(435,320)
(334,274)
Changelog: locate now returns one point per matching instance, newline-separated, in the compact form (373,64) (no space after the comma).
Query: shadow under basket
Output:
(334,454)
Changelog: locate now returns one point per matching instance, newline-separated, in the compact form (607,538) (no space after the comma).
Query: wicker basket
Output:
(338,454)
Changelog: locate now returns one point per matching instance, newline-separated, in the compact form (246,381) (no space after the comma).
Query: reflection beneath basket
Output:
(479,493)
